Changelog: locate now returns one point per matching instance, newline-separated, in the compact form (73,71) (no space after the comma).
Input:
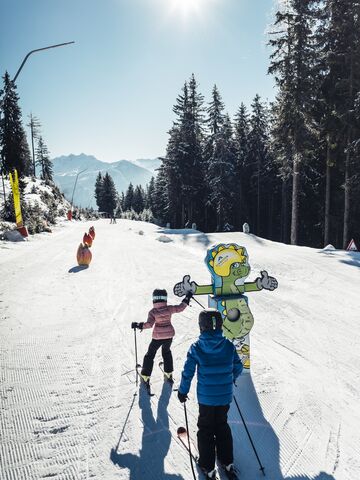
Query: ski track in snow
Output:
(70,408)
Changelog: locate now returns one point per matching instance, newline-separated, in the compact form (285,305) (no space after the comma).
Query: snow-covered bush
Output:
(130,215)
(146,215)
(41,202)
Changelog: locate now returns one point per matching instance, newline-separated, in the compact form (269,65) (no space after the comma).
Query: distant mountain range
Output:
(138,172)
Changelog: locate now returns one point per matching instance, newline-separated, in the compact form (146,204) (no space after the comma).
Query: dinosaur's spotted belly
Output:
(238,320)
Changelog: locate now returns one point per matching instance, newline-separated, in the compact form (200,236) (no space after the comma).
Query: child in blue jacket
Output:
(218,366)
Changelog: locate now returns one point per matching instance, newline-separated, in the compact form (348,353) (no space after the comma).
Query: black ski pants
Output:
(214,436)
(154,346)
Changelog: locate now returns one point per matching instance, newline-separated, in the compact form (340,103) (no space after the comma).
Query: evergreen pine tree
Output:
(258,159)
(212,149)
(138,202)
(122,201)
(183,163)
(220,171)
(129,198)
(34,125)
(43,161)
(161,196)
(109,194)
(241,176)
(293,65)
(99,192)
(150,195)
(340,39)
(13,144)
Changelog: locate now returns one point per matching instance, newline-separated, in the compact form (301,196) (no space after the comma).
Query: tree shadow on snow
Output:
(78,268)
(156,439)
(353,258)
(264,438)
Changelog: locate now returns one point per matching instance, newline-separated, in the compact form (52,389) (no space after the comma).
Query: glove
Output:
(185,287)
(137,325)
(187,298)
(182,397)
(269,283)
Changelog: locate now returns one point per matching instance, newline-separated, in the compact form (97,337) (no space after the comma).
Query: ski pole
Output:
(193,298)
(136,358)
(247,431)
(187,429)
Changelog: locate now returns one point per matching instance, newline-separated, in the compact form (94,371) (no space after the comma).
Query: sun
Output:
(186,8)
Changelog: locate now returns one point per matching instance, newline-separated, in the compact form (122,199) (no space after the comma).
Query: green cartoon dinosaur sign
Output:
(229,267)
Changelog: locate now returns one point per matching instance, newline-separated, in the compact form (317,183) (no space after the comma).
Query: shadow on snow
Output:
(265,439)
(78,268)
(156,439)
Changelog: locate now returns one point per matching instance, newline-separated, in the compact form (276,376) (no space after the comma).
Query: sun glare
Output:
(187,8)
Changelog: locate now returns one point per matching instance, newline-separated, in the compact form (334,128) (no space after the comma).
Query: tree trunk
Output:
(258,202)
(347,194)
(32,144)
(295,200)
(347,159)
(284,212)
(327,197)
(270,227)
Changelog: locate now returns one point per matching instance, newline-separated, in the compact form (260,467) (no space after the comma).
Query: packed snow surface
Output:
(70,408)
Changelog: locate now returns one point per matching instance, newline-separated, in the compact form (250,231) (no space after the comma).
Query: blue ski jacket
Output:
(218,366)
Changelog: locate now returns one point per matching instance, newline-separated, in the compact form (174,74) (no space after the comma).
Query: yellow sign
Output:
(14,182)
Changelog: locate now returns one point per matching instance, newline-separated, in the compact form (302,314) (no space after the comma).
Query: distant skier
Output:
(159,317)
(112,218)
(218,366)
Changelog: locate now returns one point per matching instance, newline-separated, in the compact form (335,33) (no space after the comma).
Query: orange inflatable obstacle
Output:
(92,232)
(87,239)
(83,255)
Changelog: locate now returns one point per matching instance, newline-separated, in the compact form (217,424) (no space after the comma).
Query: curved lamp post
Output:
(17,74)
(72,196)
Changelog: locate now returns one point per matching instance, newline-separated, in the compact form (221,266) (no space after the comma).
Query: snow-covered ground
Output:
(68,404)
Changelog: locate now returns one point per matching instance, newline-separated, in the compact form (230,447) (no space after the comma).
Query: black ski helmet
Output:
(159,295)
(210,320)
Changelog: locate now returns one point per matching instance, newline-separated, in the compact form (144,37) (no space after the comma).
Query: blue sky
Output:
(111,93)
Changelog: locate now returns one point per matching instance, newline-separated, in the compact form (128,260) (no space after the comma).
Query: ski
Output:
(184,439)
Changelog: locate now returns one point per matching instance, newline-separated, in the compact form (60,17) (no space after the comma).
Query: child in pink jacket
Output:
(159,317)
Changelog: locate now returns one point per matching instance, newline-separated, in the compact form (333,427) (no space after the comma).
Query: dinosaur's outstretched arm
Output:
(203,289)
(251,287)
(186,286)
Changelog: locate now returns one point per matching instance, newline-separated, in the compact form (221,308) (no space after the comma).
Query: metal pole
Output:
(17,74)
(189,443)
(72,197)
(136,358)
(37,50)
(252,443)
(198,302)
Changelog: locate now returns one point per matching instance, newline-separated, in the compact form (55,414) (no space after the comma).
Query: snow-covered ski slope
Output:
(68,404)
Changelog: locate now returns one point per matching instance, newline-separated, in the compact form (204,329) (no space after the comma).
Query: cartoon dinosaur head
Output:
(228,260)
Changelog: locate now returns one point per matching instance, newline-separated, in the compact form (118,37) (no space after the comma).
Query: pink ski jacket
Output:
(160,318)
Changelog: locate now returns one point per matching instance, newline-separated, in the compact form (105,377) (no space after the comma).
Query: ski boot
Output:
(168,377)
(145,378)
(230,471)
(145,381)
(210,475)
